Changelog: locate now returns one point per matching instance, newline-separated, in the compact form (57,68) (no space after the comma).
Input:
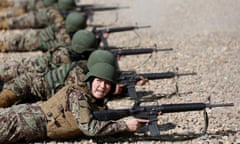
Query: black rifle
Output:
(130,78)
(137,51)
(79,8)
(89,10)
(100,32)
(151,113)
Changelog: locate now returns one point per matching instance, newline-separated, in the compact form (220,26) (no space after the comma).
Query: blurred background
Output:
(179,17)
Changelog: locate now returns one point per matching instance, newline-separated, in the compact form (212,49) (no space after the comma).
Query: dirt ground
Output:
(207,44)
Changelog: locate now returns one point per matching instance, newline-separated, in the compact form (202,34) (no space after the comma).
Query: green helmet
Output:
(102,70)
(103,56)
(75,21)
(66,4)
(49,2)
(83,40)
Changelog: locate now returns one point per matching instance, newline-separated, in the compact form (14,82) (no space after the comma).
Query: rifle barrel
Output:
(220,105)
(140,27)
(146,111)
(164,49)
(186,74)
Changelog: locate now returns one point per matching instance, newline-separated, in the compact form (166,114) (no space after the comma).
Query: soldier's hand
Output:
(142,81)
(134,124)
(119,57)
(119,89)
(105,35)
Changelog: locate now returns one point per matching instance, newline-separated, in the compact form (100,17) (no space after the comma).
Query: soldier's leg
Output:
(22,122)
(25,41)
(6,13)
(3,24)
(8,70)
(48,16)
(6,3)
(28,87)
(15,90)
(7,98)
(34,19)
(3,46)
(12,69)
(24,21)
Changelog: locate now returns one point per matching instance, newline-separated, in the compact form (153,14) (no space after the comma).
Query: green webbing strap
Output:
(58,76)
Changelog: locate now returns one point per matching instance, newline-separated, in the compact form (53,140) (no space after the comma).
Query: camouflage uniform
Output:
(39,64)
(41,86)
(34,40)
(35,19)
(18,8)
(44,39)
(42,120)
(30,87)
(83,41)
(40,18)
(22,122)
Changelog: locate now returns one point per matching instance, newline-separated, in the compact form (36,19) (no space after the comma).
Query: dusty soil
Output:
(213,55)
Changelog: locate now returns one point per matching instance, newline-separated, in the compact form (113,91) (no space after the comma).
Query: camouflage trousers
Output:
(26,3)
(29,87)
(20,42)
(12,69)
(34,64)
(32,87)
(22,122)
(35,40)
(36,19)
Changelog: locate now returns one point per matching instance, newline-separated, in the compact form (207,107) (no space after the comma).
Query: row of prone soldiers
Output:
(52,96)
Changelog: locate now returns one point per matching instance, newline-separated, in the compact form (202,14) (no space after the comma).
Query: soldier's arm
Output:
(87,124)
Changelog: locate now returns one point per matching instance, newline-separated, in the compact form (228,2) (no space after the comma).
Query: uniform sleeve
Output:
(60,56)
(90,126)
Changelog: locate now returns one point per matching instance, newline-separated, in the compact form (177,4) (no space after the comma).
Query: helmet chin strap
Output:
(89,85)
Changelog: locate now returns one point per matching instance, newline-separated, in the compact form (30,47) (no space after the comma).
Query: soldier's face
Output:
(100,88)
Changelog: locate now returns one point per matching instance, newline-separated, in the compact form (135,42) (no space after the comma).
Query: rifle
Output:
(151,113)
(137,51)
(130,78)
(100,32)
(89,9)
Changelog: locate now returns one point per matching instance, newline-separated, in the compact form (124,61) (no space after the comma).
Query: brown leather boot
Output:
(3,46)
(19,12)
(6,3)
(4,24)
(7,98)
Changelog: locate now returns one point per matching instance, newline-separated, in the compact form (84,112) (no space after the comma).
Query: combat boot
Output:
(19,12)
(3,46)
(3,24)
(7,98)
(6,3)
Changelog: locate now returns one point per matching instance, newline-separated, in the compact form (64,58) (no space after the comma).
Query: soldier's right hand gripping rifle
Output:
(129,79)
(100,32)
(151,113)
